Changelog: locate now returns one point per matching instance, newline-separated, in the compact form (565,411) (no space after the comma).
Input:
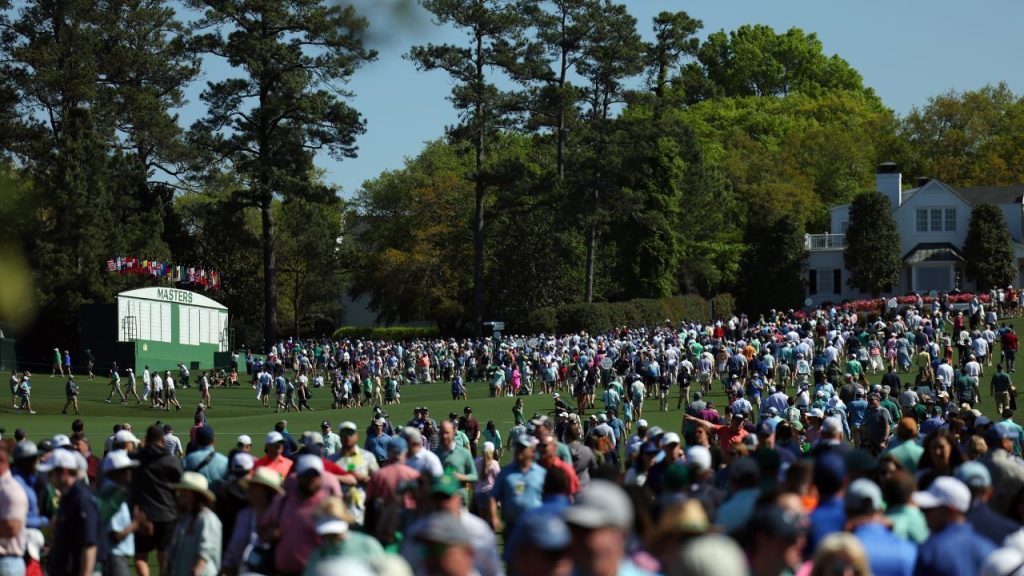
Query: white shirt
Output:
(158,382)
(146,379)
(170,383)
(426,462)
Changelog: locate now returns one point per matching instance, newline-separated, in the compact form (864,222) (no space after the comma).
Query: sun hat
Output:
(118,460)
(197,483)
(266,477)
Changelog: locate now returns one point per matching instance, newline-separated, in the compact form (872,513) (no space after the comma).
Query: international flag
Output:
(111,266)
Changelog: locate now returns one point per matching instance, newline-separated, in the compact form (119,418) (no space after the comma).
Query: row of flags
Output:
(177,273)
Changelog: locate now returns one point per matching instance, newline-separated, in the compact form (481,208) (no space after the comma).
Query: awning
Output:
(933,252)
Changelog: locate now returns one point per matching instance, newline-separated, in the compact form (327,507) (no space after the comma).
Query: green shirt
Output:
(908,522)
(909,454)
(332,444)
(356,545)
(459,460)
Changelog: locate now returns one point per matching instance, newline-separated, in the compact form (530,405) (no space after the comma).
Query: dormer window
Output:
(936,220)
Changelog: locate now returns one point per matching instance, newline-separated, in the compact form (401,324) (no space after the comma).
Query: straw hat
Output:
(195,482)
(264,477)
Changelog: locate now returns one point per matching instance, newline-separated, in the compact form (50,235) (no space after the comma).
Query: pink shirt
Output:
(384,484)
(297,522)
(13,506)
(487,477)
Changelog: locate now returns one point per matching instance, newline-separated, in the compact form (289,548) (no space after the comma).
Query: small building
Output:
(932,220)
(158,327)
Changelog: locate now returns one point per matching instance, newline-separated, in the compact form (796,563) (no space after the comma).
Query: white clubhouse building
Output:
(932,220)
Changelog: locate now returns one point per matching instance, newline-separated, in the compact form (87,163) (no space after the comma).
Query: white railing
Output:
(824,241)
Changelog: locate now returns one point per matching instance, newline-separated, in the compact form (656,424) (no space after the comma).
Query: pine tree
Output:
(293,59)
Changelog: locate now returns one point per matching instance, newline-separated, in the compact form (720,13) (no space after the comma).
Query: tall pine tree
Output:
(288,102)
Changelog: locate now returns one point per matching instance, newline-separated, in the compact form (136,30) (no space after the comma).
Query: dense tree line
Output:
(596,158)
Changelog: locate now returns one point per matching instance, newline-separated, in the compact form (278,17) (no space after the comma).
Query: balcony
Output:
(824,241)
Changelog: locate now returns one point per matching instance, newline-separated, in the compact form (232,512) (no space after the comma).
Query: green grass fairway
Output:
(235,411)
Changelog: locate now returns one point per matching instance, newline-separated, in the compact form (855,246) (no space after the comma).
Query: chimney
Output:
(888,181)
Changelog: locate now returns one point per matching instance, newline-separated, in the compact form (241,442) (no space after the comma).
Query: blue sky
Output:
(907,50)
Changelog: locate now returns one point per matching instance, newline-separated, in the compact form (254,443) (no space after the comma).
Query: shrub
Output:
(541,320)
(386,332)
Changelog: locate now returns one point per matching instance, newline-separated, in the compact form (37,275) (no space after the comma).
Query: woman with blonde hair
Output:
(840,554)
(487,469)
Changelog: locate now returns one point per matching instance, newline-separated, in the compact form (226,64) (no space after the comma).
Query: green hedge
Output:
(386,333)
(601,316)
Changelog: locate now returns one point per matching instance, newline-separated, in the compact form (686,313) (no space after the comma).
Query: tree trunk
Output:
(588,295)
(478,250)
(295,307)
(269,277)
(478,216)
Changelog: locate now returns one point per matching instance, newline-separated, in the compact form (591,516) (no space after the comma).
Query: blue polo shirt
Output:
(378,446)
(955,551)
(828,518)
(889,554)
(519,491)
(214,470)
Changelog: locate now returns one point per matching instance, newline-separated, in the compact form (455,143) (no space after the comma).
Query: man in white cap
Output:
(361,463)
(119,529)
(76,529)
(953,548)
(420,457)
(273,454)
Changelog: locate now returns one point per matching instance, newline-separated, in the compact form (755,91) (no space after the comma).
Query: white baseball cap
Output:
(242,462)
(61,441)
(244,440)
(273,438)
(118,460)
(123,436)
(670,438)
(308,462)
(59,459)
(641,422)
(945,491)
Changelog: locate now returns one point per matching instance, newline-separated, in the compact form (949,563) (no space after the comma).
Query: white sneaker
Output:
(31,412)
